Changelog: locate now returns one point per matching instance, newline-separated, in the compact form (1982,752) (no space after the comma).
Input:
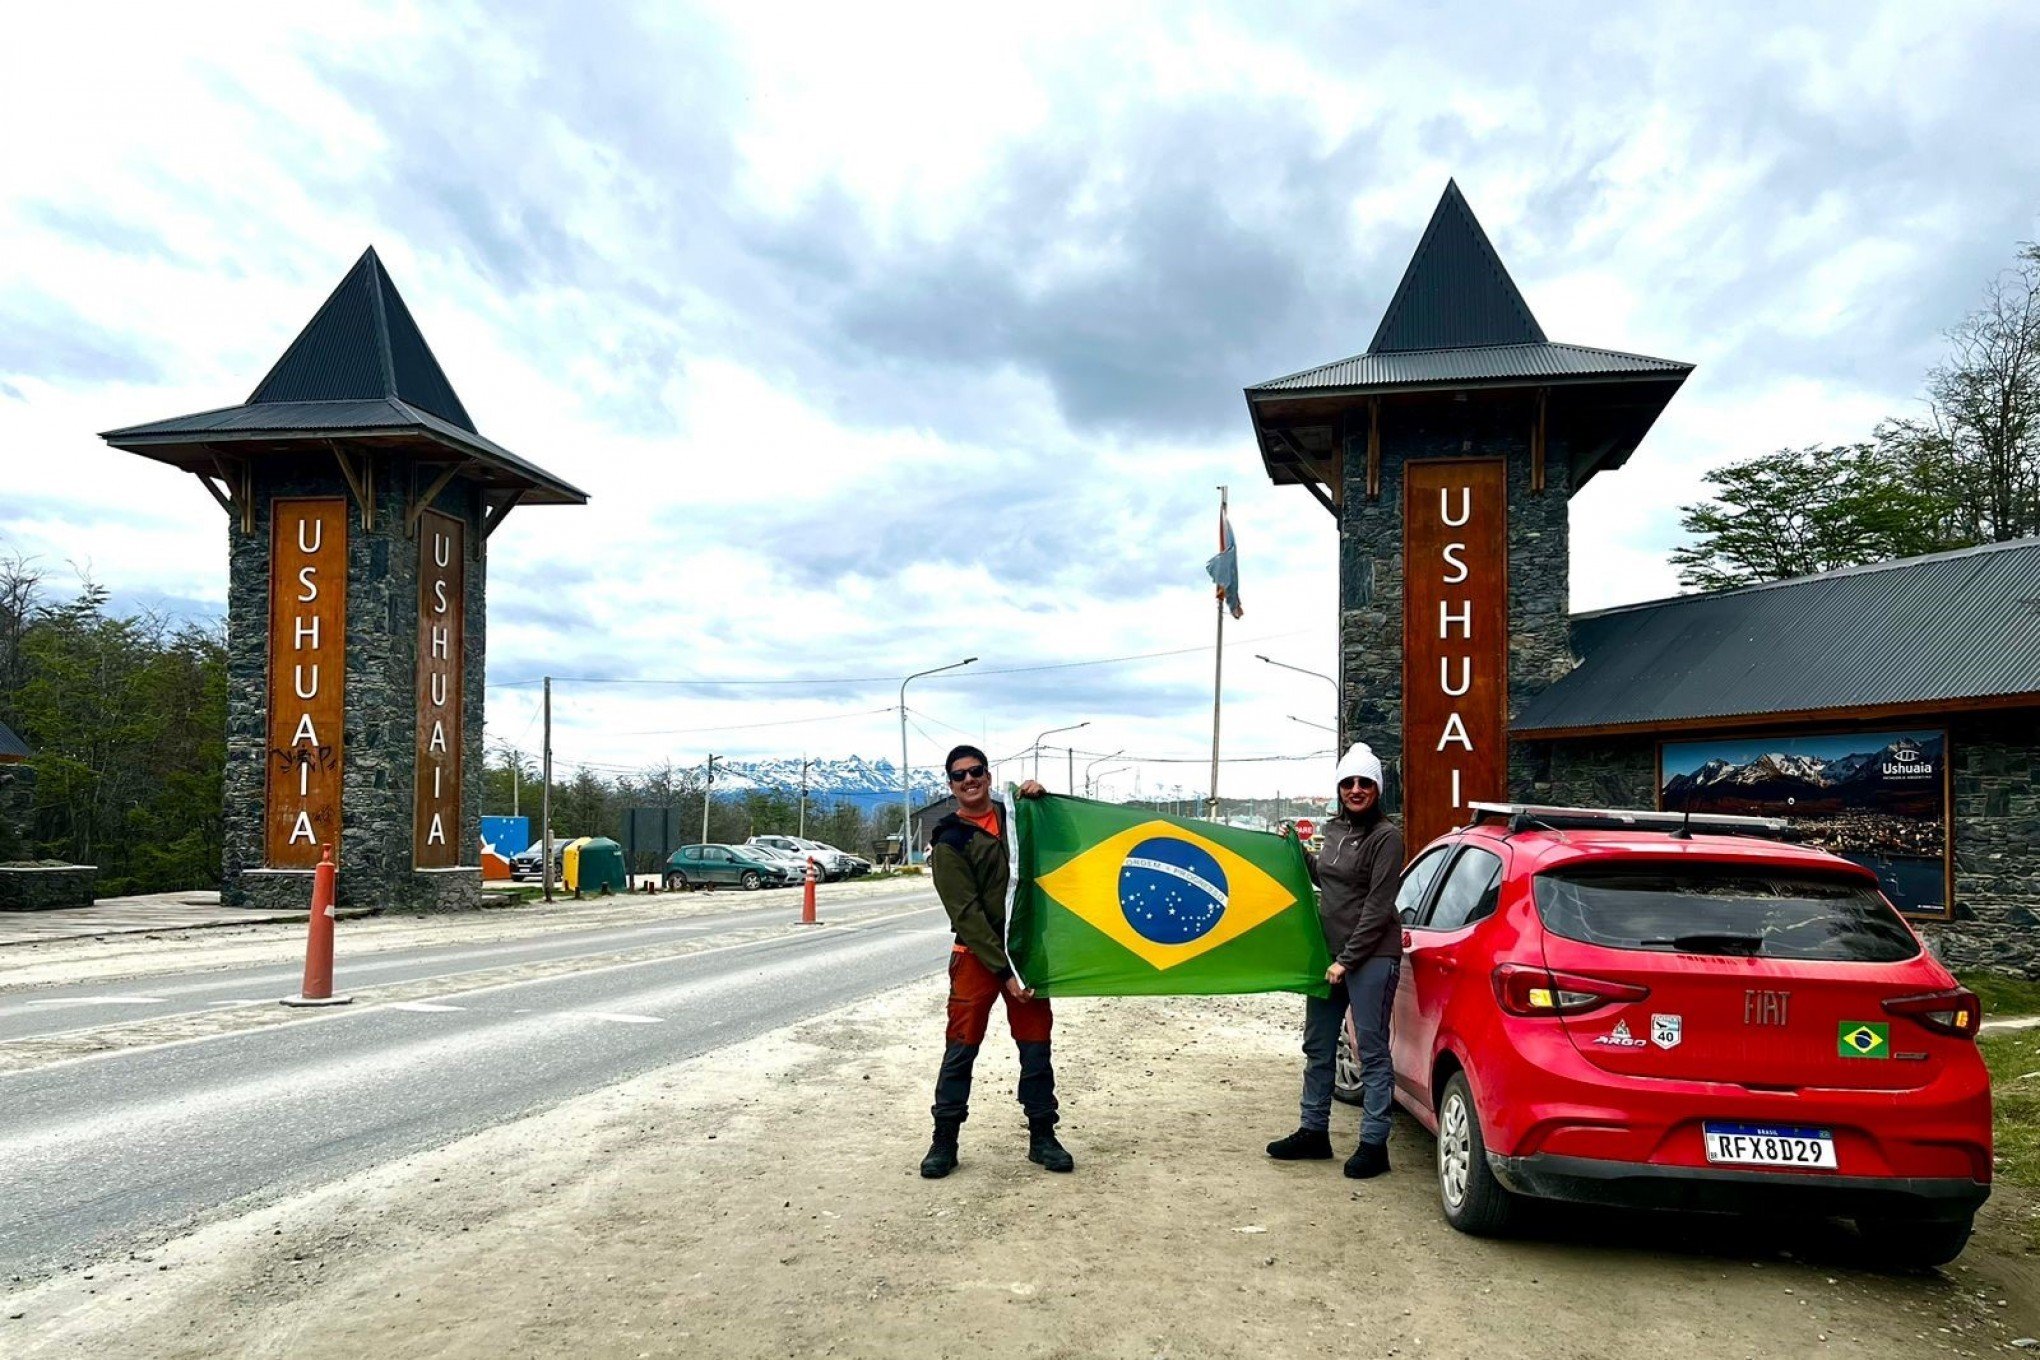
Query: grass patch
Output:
(2001,995)
(2014,1061)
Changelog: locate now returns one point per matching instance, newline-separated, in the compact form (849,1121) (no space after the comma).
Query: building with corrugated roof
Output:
(1891,712)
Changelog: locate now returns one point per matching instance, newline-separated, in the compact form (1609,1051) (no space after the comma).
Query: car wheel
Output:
(1473,1200)
(1911,1242)
(1346,1067)
(750,880)
(676,883)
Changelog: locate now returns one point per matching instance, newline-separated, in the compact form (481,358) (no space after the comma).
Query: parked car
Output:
(525,863)
(833,863)
(708,866)
(1683,1017)
(797,864)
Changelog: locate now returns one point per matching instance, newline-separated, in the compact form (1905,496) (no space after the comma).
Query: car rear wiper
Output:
(1706,943)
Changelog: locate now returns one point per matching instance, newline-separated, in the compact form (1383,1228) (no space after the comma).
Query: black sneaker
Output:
(1368,1161)
(1305,1145)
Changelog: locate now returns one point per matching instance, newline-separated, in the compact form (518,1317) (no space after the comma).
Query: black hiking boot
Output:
(1368,1161)
(1044,1150)
(941,1158)
(1305,1145)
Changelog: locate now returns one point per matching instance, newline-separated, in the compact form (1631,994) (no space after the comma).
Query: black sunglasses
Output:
(968,772)
(1354,781)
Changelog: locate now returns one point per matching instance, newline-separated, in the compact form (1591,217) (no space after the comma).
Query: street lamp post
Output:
(1308,723)
(906,787)
(1094,765)
(1320,675)
(1049,733)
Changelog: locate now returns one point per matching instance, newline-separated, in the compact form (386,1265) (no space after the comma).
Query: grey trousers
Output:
(1369,993)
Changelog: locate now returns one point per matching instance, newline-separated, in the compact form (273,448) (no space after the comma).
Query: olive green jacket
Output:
(970,869)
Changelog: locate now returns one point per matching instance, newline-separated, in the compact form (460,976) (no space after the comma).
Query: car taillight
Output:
(1957,1012)
(1524,989)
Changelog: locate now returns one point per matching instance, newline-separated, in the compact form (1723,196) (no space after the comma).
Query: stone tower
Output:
(1447,452)
(360,499)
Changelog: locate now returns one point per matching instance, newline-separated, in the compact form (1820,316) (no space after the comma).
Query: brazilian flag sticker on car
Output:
(1861,1039)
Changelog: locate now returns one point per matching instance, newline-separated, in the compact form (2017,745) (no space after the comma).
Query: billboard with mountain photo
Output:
(1875,798)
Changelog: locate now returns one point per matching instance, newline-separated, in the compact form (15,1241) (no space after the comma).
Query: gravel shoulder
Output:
(763,1202)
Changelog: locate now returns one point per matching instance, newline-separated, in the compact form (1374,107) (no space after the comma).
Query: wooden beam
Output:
(1374,448)
(358,482)
(1323,499)
(205,479)
(1537,445)
(490,519)
(423,503)
(239,479)
(1325,470)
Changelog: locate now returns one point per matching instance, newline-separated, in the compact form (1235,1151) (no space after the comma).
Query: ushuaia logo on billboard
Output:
(1906,761)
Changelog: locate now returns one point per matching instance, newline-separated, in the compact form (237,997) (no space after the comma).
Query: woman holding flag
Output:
(1357,872)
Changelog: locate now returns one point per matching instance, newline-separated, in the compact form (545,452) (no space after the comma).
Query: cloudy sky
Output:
(883,336)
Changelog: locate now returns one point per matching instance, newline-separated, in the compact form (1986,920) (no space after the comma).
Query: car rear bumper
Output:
(1639,1185)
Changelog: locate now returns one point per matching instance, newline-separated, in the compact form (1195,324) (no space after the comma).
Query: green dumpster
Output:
(595,865)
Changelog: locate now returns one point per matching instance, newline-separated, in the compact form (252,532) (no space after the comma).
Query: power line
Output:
(746,727)
(870,679)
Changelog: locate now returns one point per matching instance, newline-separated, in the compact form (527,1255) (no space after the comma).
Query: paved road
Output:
(42,1011)
(103,1155)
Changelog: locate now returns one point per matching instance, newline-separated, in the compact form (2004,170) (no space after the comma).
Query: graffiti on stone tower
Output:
(307,677)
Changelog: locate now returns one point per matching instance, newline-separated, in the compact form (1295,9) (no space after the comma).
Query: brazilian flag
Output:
(1114,901)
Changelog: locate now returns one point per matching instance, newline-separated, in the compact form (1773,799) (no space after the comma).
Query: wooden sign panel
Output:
(307,678)
(442,601)
(1455,642)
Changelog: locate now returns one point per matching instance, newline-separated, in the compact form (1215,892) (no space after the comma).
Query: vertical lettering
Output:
(305,732)
(1465,675)
(437,836)
(436,684)
(304,776)
(1458,798)
(1454,562)
(437,790)
(1455,730)
(301,829)
(311,587)
(297,681)
(442,645)
(303,630)
(439,597)
(1445,505)
(442,548)
(1447,619)
(318,528)
(438,742)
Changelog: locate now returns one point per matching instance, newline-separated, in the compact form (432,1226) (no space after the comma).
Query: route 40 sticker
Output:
(1666,1030)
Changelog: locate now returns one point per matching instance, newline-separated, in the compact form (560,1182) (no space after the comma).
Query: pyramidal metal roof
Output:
(360,371)
(1958,626)
(12,748)
(1458,320)
(1456,293)
(362,345)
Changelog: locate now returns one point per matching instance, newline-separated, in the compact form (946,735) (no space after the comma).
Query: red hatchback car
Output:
(1611,1008)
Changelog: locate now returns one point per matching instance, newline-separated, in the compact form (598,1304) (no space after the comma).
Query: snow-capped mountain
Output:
(851,779)
(1858,778)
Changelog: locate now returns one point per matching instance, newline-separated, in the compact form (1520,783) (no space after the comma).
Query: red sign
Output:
(1305,828)
(1455,642)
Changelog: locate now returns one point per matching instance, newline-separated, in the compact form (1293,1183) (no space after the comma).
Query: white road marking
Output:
(244,1001)
(421,1006)
(616,1018)
(97,1001)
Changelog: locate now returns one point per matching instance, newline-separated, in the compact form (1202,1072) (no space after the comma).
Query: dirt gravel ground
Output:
(763,1202)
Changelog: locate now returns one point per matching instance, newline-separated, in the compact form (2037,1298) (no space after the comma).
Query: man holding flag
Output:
(971,869)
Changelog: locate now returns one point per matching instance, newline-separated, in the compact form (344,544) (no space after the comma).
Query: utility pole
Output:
(545,797)
(707,792)
(804,763)
(906,786)
(1217,669)
(1070,771)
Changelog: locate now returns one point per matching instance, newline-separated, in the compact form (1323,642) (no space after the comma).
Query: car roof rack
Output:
(1681,825)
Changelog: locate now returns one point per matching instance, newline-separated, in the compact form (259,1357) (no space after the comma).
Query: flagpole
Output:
(1217,675)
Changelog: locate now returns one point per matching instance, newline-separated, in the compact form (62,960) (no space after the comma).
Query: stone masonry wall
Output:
(375,853)
(1371,568)
(1995,781)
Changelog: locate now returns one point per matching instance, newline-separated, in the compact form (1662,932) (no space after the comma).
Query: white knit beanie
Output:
(1359,760)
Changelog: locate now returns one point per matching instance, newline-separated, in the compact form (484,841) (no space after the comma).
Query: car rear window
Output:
(1702,909)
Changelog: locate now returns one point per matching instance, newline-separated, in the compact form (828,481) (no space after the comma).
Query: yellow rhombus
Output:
(1088,887)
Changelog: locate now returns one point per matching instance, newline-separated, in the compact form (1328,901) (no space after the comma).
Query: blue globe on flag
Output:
(1171,891)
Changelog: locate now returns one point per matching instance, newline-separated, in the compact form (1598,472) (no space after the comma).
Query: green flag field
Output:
(1114,901)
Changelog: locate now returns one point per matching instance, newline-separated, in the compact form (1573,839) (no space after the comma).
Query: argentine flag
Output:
(1224,569)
